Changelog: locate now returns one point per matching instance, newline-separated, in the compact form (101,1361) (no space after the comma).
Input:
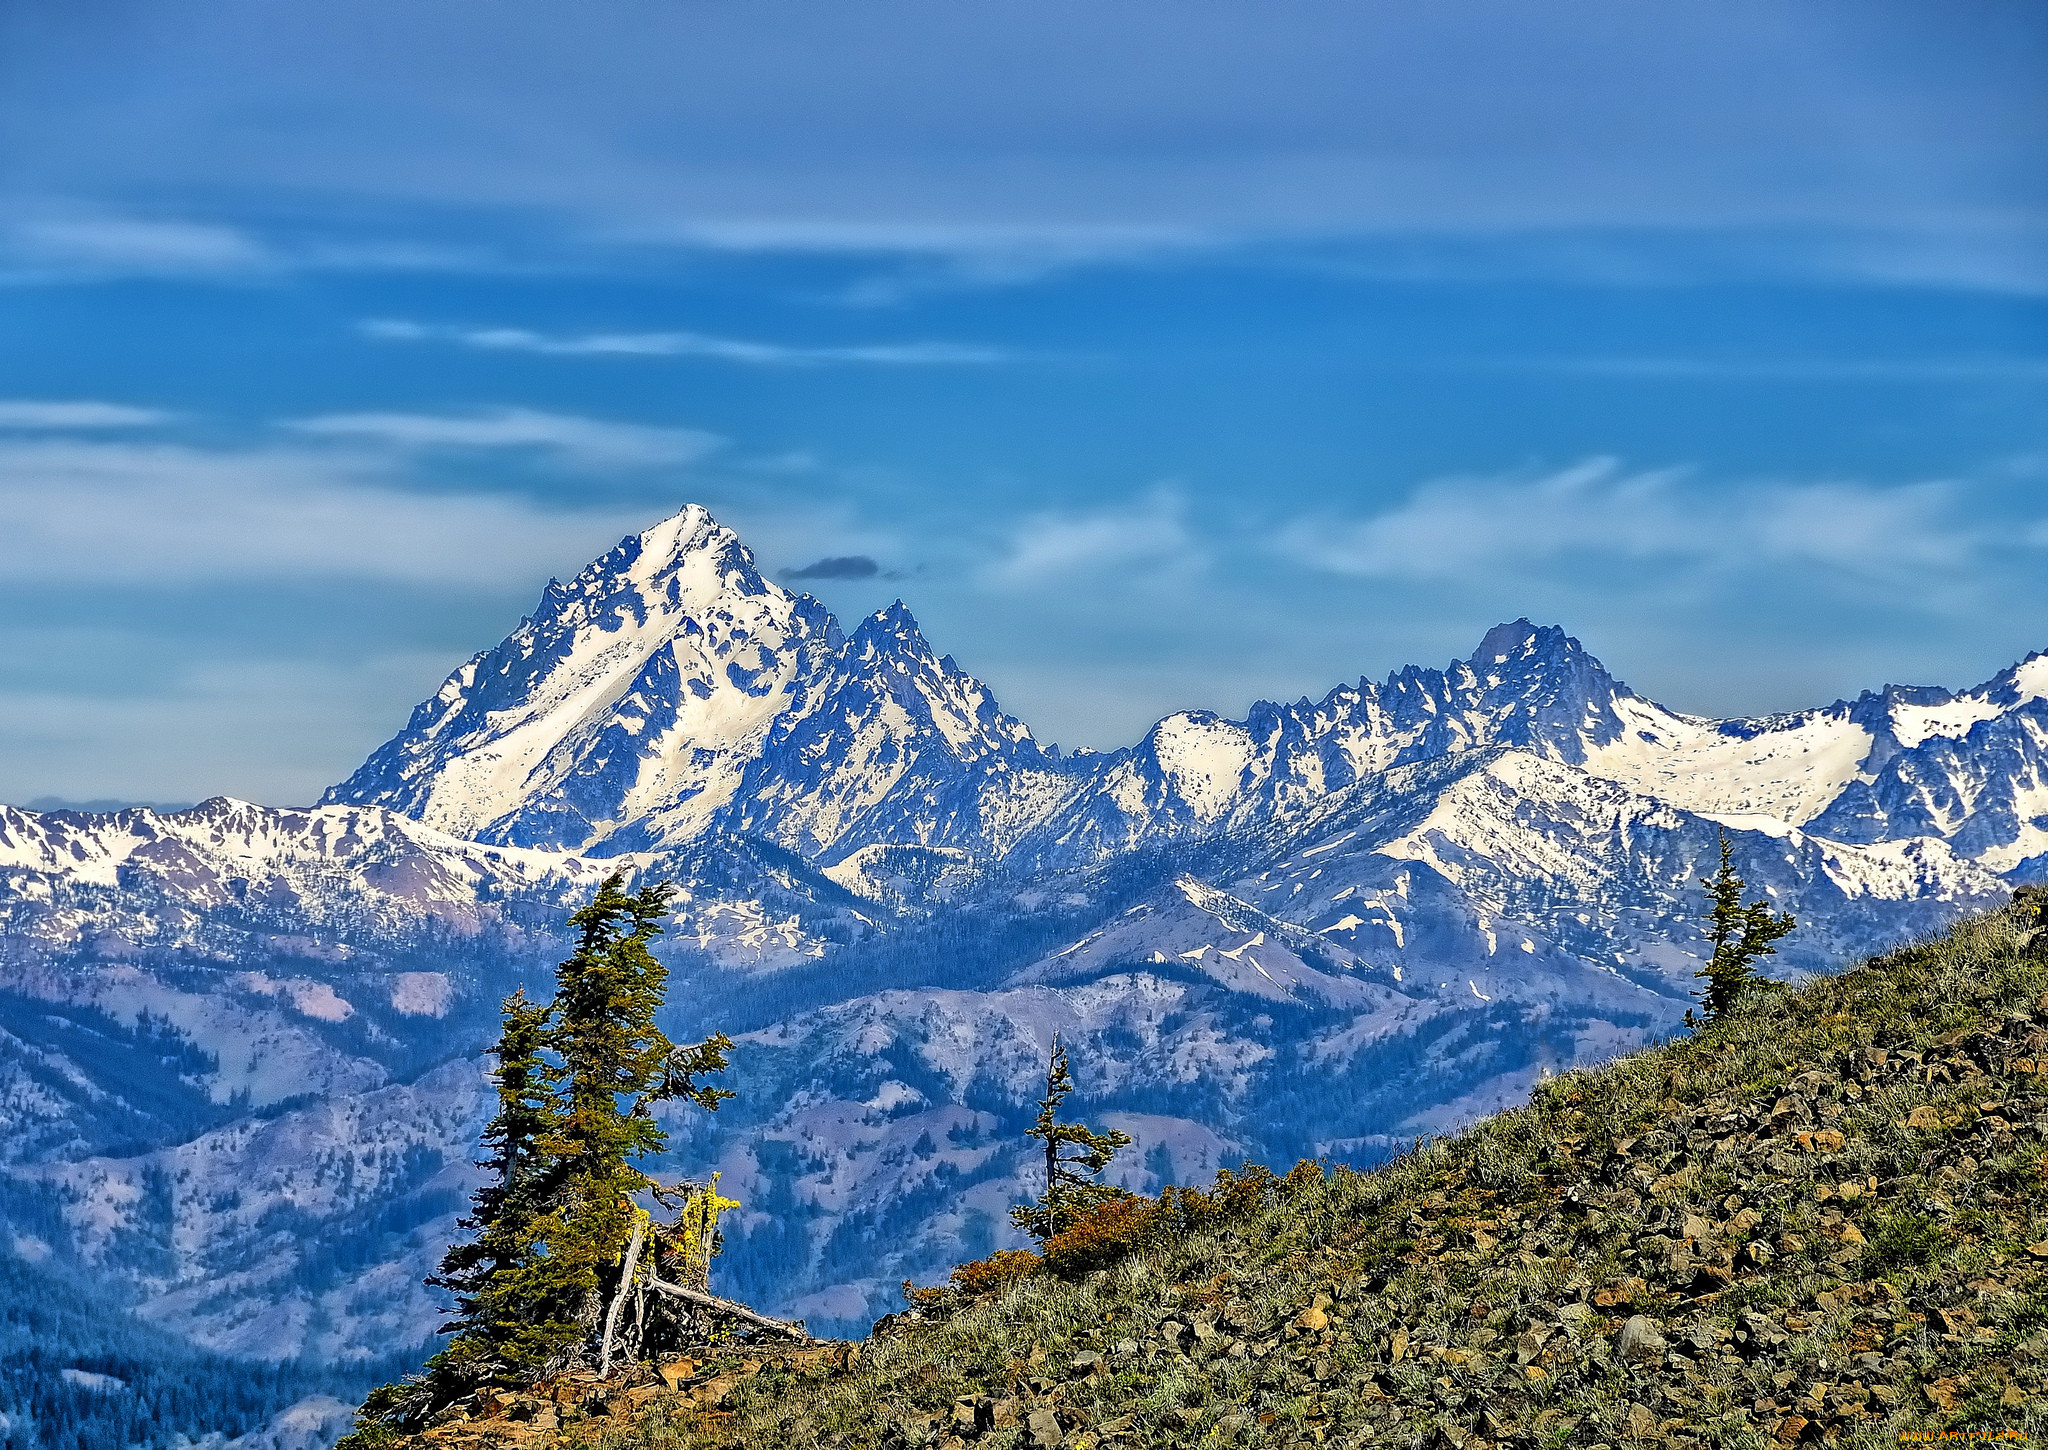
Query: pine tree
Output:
(606,1048)
(1741,934)
(1074,1159)
(490,1322)
(576,1081)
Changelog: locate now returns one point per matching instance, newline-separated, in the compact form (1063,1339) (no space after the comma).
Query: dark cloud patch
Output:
(844,566)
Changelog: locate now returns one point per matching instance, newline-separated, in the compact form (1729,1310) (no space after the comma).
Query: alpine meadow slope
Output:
(240,1047)
(1822,1219)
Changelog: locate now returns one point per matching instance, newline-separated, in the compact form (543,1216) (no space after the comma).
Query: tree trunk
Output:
(611,1318)
(724,1306)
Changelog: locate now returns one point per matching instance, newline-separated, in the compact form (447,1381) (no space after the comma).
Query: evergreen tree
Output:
(606,1049)
(577,1081)
(490,1322)
(1741,934)
(1074,1159)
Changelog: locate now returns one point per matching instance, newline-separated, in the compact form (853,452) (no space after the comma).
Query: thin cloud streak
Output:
(1530,527)
(915,125)
(685,345)
(42,416)
(129,513)
(584,442)
(1791,370)
(1145,542)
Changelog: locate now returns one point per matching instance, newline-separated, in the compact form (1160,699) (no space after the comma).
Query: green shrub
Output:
(1904,1239)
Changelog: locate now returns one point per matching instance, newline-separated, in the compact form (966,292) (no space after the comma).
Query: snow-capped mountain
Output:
(669,690)
(239,1046)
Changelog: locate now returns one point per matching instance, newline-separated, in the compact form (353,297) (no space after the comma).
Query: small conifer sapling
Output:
(1075,1156)
(1742,934)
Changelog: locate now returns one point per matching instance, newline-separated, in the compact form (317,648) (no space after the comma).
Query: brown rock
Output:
(1956,1321)
(1710,1279)
(1790,1428)
(1397,1350)
(1619,1293)
(1923,1117)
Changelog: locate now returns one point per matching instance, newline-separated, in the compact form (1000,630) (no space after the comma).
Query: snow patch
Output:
(422,994)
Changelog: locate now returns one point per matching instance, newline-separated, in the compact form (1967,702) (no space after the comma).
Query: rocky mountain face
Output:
(240,1046)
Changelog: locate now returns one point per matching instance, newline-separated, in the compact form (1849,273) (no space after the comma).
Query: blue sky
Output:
(1158,354)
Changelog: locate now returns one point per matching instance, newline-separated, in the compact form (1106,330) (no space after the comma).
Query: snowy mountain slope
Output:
(1197,775)
(1969,769)
(1548,860)
(648,682)
(367,870)
(1891,765)
(1895,763)
(304,1234)
(1211,935)
(670,689)
(902,748)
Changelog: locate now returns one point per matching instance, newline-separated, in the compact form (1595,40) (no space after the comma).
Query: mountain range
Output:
(240,1046)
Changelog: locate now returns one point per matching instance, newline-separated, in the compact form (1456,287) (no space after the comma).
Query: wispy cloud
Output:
(1463,529)
(127,512)
(42,416)
(1768,369)
(73,246)
(685,344)
(135,244)
(585,442)
(1148,540)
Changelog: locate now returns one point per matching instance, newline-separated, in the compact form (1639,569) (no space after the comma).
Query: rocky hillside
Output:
(1824,1220)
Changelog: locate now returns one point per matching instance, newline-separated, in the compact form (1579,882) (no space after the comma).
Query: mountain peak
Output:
(688,557)
(1521,640)
(649,677)
(895,619)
